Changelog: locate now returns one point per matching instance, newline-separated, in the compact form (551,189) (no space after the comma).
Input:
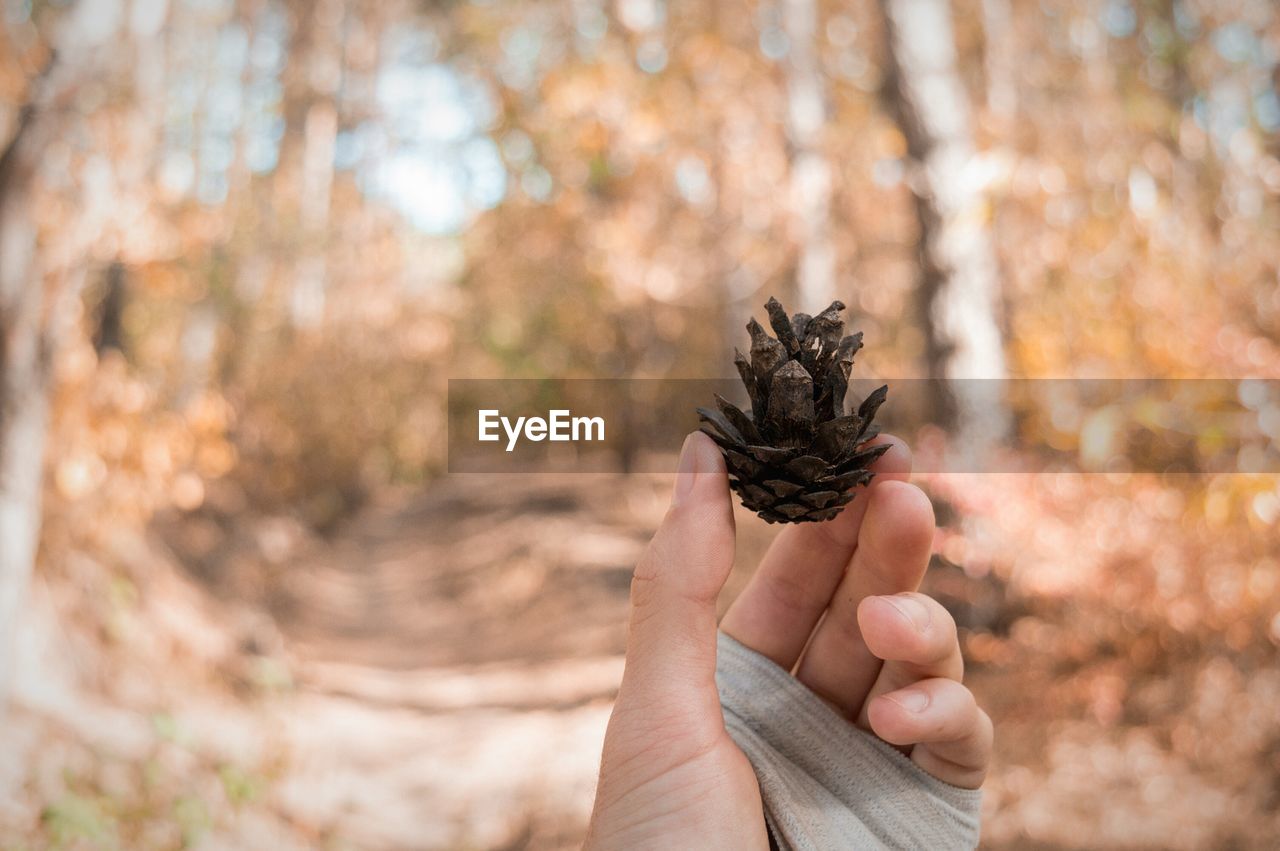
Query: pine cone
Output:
(796,457)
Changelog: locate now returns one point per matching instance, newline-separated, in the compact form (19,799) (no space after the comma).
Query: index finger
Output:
(778,610)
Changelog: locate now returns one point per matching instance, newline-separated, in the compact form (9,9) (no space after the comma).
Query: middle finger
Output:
(894,544)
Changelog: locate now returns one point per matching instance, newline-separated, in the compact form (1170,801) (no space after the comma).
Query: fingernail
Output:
(916,613)
(912,700)
(686,471)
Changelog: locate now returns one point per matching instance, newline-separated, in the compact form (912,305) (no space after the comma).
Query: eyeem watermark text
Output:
(559,426)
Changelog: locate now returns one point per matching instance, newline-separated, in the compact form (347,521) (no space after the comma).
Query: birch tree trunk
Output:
(810,188)
(959,282)
(306,156)
(39,292)
(24,373)
(999,59)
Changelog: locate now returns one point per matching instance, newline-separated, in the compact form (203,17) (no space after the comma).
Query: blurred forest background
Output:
(244,243)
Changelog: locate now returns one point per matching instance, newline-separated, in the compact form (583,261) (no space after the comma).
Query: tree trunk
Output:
(810,172)
(306,152)
(310,284)
(999,60)
(39,295)
(24,403)
(108,330)
(959,286)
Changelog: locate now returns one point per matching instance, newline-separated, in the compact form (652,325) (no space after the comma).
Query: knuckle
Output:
(942,640)
(965,701)
(649,562)
(659,575)
(643,587)
(910,499)
(942,626)
(986,732)
(956,711)
(844,624)
(791,594)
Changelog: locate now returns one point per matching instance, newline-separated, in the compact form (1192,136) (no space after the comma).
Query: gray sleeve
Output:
(825,783)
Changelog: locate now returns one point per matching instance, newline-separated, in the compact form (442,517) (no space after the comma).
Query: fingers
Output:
(951,734)
(915,637)
(777,611)
(671,641)
(917,698)
(894,543)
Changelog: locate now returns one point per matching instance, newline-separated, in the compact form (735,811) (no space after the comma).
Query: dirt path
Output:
(437,675)
(457,654)
(477,571)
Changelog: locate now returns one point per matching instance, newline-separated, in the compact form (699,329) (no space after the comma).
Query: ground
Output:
(438,674)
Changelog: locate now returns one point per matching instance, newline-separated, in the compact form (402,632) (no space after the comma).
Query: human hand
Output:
(833,602)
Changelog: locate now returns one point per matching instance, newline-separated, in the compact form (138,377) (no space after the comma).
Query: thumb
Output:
(671,642)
